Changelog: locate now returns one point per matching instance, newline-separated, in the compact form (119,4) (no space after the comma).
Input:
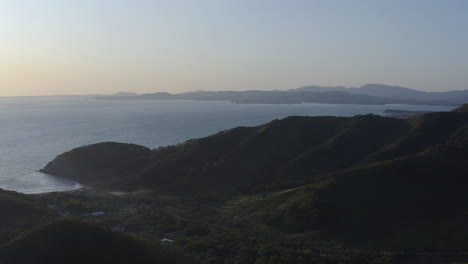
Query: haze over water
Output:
(35,130)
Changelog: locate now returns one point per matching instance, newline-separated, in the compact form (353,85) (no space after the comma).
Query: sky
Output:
(51,47)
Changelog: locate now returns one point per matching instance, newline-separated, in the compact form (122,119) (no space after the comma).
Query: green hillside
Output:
(283,153)
(103,164)
(417,202)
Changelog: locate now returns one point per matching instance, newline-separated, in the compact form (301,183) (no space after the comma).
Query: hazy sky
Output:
(105,46)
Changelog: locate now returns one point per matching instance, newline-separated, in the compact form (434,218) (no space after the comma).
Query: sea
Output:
(34,130)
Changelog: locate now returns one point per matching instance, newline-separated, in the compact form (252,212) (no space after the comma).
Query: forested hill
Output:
(282,153)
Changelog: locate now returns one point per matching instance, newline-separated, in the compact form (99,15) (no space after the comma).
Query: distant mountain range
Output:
(397,92)
(125,94)
(370,94)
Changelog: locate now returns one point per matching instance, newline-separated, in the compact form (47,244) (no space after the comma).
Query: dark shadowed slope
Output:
(72,241)
(20,212)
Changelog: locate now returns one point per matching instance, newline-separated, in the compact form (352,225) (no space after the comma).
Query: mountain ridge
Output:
(376,94)
(294,150)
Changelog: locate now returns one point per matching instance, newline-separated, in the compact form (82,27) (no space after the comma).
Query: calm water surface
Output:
(36,129)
